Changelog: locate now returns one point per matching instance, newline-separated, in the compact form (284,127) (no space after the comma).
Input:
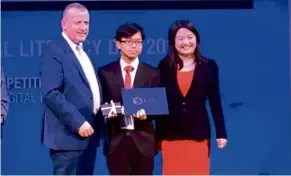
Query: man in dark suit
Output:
(4,100)
(130,145)
(71,97)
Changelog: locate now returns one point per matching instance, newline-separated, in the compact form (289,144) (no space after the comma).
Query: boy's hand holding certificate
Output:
(141,114)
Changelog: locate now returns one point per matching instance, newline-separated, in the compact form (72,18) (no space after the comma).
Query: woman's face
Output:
(185,42)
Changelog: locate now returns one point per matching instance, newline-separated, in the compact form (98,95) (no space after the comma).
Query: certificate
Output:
(152,100)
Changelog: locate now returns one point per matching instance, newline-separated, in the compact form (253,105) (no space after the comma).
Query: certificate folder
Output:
(152,100)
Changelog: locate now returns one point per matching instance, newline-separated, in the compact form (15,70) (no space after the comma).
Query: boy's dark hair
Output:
(127,30)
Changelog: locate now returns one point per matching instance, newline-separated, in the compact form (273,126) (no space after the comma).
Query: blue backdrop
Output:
(251,47)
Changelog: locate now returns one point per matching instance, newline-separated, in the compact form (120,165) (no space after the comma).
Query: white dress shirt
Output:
(128,120)
(88,70)
(134,64)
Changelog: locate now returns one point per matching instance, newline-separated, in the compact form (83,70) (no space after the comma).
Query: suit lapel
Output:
(118,75)
(139,76)
(72,55)
(196,76)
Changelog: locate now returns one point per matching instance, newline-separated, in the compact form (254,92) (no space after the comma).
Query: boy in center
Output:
(130,144)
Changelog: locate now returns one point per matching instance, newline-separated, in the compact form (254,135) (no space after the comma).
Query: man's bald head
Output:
(75,22)
(74,6)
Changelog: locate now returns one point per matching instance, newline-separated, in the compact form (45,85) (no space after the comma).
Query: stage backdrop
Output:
(250,46)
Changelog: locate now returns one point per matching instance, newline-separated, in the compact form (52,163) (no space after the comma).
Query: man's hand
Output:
(141,114)
(86,130)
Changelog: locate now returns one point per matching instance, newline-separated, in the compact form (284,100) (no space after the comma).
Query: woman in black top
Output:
(190,80)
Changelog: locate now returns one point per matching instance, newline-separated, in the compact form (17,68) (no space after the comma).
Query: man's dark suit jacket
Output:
(67,99)
(4,98)
(112,83)
(188,118)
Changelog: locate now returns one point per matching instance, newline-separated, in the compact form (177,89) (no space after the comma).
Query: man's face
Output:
(75,24)
(130,47)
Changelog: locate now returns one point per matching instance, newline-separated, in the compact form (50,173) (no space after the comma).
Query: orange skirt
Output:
(185,157)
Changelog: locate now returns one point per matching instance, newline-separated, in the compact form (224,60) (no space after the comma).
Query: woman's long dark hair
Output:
(172,58)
